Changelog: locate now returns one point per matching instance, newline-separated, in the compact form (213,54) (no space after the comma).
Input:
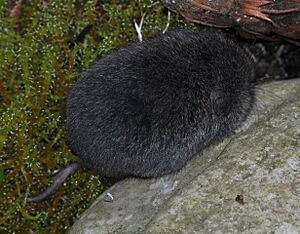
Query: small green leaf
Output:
(2,176)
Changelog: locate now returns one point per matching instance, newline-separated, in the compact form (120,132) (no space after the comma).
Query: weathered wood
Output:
(251,18)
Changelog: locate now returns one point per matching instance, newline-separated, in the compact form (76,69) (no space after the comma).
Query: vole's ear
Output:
(220,102)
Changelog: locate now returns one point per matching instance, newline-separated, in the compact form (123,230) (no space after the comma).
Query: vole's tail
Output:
(58,180)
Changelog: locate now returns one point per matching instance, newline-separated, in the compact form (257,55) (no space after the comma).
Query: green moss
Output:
(38,61)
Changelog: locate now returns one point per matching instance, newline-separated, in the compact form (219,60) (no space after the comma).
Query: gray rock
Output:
(261,162)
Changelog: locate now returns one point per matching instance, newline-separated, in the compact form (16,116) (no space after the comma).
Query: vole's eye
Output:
(217,97)
(220,102)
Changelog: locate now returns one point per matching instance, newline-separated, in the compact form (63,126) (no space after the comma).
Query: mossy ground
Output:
(41,54)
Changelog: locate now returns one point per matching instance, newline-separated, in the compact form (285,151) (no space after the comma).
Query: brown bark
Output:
(251,18)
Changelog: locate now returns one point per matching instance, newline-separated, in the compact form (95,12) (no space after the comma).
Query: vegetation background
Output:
(45,45)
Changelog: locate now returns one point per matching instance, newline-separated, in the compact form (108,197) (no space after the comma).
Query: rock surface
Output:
(261,163)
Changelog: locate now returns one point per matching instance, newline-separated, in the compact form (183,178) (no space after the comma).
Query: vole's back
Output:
(146,109)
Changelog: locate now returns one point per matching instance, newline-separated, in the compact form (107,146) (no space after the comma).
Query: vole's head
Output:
(212,74)
(230,80)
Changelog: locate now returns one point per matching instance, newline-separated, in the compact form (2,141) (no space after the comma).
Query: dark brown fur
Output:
(145,110)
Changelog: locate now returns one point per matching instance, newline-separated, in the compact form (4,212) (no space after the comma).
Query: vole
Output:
(145,110)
